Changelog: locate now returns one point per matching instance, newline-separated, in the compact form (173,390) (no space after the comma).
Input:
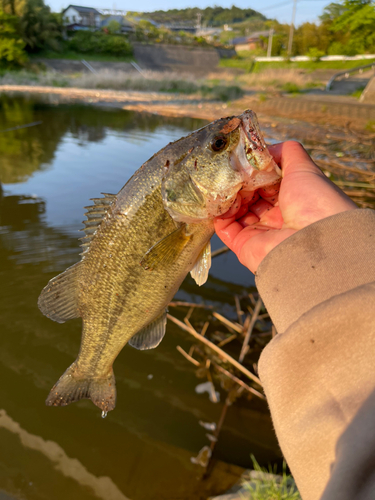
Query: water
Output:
(142,449)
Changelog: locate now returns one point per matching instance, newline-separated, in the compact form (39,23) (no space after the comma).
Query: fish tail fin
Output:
(72,386)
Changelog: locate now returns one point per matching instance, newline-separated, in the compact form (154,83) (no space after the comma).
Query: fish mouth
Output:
(251,157)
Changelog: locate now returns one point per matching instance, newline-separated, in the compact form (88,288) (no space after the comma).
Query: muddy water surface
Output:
(142,449)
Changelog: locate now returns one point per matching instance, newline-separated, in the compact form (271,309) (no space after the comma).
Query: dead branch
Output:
(239,381)
(187,356)
(250,329)
(217,349)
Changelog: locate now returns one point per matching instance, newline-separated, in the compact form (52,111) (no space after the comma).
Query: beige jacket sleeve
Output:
(319,371)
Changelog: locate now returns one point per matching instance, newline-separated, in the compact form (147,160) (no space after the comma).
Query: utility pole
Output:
(269,47)
(199,20)
(290,42)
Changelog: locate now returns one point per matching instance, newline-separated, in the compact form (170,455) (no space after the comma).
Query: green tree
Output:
(113,27)
(40,29)
(357,19)
(11,45)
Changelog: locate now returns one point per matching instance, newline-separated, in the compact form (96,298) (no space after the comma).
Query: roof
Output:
(257,34)
(250,38)
(83,10)
(238,41)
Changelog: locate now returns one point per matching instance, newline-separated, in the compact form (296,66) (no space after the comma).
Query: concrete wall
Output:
(75,66)
(178,58)
(368,95)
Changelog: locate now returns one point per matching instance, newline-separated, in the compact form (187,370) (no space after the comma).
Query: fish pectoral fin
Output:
(151,335)
(59,298)
(167,250)
(202,265)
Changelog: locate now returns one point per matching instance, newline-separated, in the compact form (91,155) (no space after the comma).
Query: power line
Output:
(278,5)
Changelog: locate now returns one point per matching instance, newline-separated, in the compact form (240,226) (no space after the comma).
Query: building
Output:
(256,40)
(76,17)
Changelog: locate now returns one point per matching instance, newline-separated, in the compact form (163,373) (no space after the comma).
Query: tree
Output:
(11,45)
(351,25)
(113,27)
(358,19)
(39,28)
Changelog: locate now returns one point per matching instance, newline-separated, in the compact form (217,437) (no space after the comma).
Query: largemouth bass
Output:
(141,243)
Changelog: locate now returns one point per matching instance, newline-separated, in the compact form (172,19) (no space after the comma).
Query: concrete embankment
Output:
(160,57)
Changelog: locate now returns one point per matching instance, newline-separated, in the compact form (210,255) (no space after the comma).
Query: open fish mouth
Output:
(251,157)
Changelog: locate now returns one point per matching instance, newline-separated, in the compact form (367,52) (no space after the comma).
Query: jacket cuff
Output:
(325,259)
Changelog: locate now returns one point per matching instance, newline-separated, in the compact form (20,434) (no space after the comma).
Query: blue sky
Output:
(307,10)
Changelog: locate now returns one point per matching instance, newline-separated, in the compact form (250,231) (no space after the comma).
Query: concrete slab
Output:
(368,95)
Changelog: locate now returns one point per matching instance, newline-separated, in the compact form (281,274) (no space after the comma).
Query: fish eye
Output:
(219,143)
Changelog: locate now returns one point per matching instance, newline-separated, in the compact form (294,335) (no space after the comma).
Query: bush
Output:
(98,42)
(315,54)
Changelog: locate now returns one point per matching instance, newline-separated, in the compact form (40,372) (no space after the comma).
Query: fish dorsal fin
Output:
(59,299)
(167,250)
(202,265)
(95,214)
(151,335)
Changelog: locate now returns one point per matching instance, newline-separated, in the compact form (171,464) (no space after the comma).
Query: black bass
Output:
(141,243)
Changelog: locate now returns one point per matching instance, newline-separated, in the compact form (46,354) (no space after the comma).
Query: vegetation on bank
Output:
(266,484)
(245,61)
(118,80)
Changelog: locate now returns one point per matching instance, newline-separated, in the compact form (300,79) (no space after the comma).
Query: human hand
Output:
(253,228)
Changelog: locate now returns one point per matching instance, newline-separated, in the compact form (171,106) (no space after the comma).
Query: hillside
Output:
(211,16)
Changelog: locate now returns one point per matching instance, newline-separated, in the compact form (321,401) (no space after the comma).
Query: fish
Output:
(140,244)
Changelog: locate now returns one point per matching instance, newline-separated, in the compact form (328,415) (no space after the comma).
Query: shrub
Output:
(315,54)
(98,42)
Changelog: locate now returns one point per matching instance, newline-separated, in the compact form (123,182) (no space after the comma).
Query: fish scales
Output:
(148,237)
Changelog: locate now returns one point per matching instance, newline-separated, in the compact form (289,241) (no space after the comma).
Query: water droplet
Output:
(104,414)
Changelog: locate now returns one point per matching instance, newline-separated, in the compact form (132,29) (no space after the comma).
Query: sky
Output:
(281,10)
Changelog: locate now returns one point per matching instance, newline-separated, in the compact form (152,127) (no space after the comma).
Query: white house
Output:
(81,17)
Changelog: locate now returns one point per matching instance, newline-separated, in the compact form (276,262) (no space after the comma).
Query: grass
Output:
(357,93)
(118,80)
(370,126)
(245,61)
(267,485)
(287,80)
(71,55)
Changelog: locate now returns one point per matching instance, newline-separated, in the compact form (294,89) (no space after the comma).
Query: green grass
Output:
(70,54)
(266,485)
(357,93)
(291,88)
(370,126)
(244,61)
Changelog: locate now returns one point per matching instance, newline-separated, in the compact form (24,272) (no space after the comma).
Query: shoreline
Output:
(342,112)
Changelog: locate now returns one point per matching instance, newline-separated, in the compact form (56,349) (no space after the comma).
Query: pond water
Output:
(142,450)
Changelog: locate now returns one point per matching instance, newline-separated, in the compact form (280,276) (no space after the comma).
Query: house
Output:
(256,40)
(126,26)
(76,17)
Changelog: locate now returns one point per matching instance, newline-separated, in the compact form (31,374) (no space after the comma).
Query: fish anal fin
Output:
(59,298)
(202,265)
(72,387)
(151,335)
(167,250)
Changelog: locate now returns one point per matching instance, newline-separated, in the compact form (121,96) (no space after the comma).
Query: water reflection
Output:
(141,450)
